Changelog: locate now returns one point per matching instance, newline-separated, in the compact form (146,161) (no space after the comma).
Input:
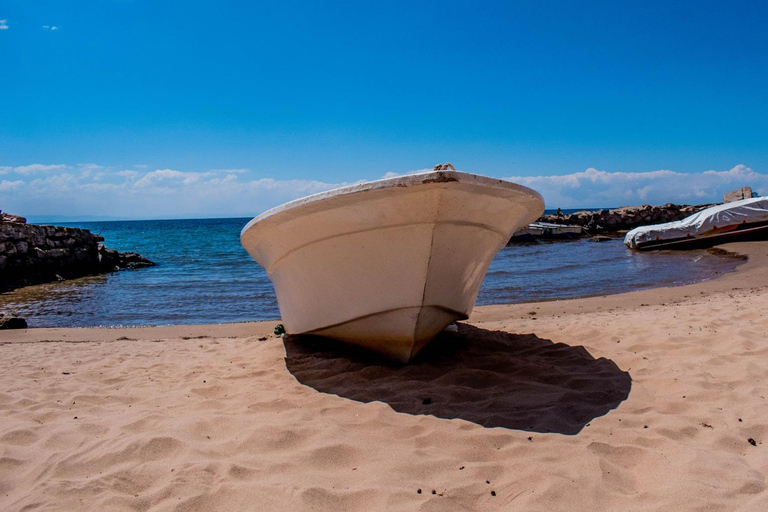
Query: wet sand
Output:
(650,400)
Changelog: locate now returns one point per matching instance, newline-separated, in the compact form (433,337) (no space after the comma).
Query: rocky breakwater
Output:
(624,218)
(32,254)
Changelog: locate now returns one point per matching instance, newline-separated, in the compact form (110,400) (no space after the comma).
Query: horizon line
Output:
(43,219)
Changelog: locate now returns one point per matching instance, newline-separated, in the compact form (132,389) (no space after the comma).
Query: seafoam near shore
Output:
(651,400)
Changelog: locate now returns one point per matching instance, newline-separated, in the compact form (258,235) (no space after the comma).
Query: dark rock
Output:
(12,322)
(8,248)
(32,254)
(625,217)
(8,217)
(132,260)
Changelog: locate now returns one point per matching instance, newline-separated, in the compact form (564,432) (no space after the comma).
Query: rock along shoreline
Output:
(35,254)
(624,218)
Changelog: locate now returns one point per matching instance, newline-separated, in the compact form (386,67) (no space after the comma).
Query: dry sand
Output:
(641,401)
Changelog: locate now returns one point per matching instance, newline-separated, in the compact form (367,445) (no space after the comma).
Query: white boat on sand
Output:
(387,264)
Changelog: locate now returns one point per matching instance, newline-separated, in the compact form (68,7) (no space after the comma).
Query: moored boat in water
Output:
(387,264)
(746,219)
(546,230)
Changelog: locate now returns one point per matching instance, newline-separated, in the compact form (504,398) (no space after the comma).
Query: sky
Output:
(158,109)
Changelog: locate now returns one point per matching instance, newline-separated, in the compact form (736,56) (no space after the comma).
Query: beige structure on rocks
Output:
(738,195)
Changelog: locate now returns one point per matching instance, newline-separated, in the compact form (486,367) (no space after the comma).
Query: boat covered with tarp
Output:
(730,222)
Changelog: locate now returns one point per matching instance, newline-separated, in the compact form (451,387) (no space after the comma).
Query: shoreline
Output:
(650,400)
(755,254)
(748,275)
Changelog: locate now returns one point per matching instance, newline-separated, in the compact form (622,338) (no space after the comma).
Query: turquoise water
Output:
(205,276)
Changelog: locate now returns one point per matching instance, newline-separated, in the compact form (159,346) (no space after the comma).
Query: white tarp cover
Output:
(711,221)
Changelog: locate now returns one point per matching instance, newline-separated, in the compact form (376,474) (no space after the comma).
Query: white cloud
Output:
(230,171)
(64,182)
(37,168)
(89,170)
(154,178)
(90,189)
(128,174)
(160,193)
(594,188)
(166,177)
(10,186)
(3,24)
(90,167)
(50,27)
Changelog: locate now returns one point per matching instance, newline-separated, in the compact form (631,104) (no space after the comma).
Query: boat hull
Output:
(545,230)
(387,265)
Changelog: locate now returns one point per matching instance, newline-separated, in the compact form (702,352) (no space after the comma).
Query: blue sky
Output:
(143,109)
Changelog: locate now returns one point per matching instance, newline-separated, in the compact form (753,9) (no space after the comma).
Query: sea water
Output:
(203,275)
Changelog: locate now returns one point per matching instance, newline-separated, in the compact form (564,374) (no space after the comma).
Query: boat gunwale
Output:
(408,180)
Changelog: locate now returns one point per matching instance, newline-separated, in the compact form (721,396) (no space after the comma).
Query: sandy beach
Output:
(650,400)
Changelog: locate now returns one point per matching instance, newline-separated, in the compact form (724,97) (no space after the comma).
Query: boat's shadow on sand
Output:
(492,378)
